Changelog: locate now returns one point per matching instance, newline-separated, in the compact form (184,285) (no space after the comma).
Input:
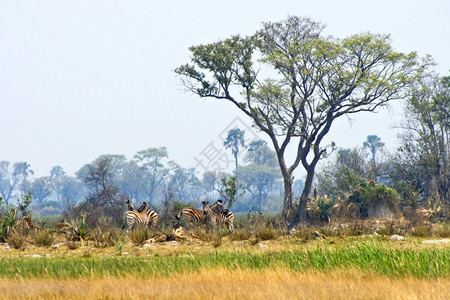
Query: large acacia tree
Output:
(293,82)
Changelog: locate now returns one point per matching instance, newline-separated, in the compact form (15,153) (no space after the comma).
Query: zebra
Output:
(129,204)
(213,218)
(197,216)
(143,218)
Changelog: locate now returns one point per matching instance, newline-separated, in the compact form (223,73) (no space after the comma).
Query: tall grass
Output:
(227,284)
(369,257)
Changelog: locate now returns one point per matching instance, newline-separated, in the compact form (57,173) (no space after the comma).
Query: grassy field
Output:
(232,284)
(285,267)
(369,257)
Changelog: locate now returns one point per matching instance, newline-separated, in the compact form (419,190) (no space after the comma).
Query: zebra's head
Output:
(218,206)
(129,203)
(205,206)
(142,207)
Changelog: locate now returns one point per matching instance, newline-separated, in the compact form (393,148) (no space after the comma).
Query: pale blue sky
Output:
(83,78)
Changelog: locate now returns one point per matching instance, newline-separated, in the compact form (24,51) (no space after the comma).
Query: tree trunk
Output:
(288,197)
(301,213)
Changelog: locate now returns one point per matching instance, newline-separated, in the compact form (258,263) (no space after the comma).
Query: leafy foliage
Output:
(318,79)
(231,191)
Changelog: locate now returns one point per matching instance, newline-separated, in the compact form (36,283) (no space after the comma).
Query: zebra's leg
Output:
(230,227)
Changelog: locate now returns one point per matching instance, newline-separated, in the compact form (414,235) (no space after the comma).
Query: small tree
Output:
(11,178)
(235,140)
(56,176)
(373,143)
(104,198)
(153,169)
(231,191)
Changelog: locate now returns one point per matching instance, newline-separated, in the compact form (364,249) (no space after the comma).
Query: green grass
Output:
(370,257)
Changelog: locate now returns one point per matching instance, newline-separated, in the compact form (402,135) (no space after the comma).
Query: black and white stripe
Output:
(141,218)
(213,218)
(197,216)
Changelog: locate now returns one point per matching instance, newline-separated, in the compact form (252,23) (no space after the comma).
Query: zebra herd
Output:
(211,216)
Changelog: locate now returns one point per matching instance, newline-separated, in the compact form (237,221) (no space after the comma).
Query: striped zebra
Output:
(129,204)
(131,207)
(213,218)
(140,219)
(197,216)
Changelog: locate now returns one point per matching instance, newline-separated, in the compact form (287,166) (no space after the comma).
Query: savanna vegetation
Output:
(363,223)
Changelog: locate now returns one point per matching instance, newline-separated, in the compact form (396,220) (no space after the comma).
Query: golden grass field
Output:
(239,284)
(228,283)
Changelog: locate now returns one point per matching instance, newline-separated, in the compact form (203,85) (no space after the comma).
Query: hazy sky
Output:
(83,78)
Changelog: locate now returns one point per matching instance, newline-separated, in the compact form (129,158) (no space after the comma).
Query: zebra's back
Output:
(192,215)
(152,218)
(135,219)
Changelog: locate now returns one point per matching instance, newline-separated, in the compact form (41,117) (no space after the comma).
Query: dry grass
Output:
(240,284)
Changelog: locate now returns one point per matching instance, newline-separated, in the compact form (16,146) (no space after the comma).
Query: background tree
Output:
(41,188)
(421,166)
(184,184)
(153,169)
(316,80)
(56,175)
(259,153)
(212,182)
(259,176)
(258,180)
(373,143)
(133,181)
(12,177)
(235,140)
(104,199)
(72,191)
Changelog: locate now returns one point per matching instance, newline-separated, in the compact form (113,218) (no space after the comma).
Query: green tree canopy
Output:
(293,82)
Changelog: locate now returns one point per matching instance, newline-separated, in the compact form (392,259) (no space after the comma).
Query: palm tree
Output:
(373,143)
(235,140)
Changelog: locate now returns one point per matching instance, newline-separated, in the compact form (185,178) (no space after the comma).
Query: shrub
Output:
(216,241)
(421,231)
(240,235)
(7,221)
(375,200)
(266,233)
(72,245)
(443,231)
(320,208)
(304,233)
(43,238)
(17,240)
(140,236)
(77,230)
(354,229)
(390,229)
(107,239)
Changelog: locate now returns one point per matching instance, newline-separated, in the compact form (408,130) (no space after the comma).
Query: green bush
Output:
(373,199)
(320,208)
